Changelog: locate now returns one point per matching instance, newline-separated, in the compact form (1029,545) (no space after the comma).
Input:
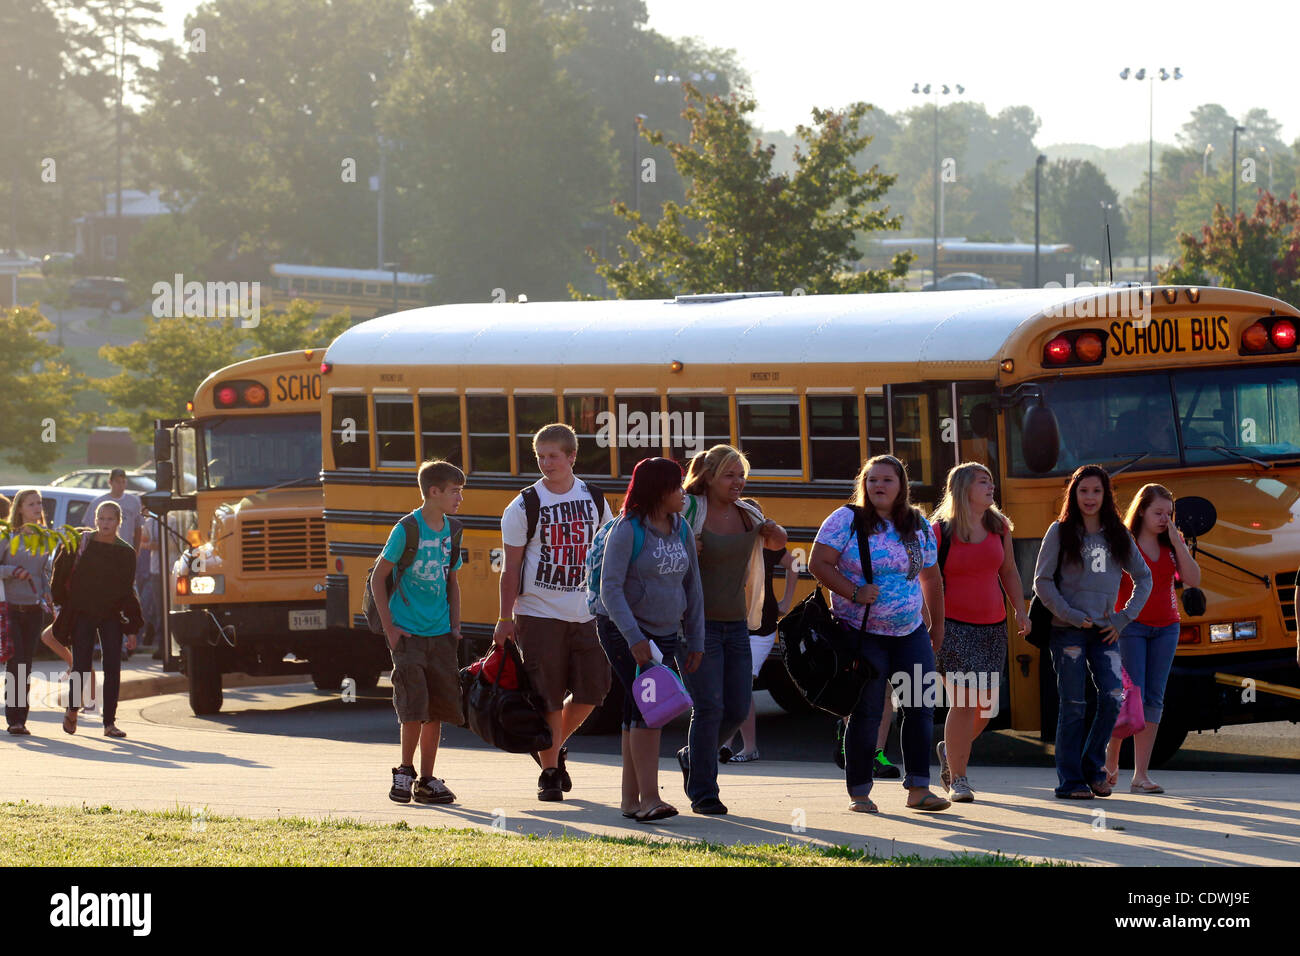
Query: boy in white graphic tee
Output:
(546,531)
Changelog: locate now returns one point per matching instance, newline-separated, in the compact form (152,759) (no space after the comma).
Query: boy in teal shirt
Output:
(422,626)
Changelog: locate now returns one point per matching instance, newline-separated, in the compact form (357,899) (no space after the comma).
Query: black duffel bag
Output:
(820,653)
(510,719)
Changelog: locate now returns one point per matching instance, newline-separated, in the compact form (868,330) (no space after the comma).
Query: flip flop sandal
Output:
(1146,788)
(1083,793)
(863,805)
(930,803)
(744,756)
(662,812)
(70,721)
(112,731)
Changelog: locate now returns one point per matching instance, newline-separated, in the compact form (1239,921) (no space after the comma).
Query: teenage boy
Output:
(546,531)
(421,621)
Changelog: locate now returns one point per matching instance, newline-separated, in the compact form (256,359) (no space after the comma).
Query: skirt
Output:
(973,647)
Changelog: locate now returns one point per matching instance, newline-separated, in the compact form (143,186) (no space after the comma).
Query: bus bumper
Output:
(1204,703)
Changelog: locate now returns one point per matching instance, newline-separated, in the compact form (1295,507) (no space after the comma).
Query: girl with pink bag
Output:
(1148,644)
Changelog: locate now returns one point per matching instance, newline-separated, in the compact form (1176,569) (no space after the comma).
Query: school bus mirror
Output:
(165,475)
(981,420)
(1194,515)
(1040,441)
(162,445)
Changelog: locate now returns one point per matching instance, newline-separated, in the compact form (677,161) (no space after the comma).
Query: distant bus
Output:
(366,292)
(1010,264)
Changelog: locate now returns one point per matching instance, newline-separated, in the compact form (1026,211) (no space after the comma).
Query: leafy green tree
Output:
(299,327)
(1259,252)
(1177,171)
(744,228)
(519,160)
(56,292)
(1071,194)
(164,247)
(36,424)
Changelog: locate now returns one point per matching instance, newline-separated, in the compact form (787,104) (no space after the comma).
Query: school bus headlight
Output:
(208,584)
(1245,630)
(1220,633)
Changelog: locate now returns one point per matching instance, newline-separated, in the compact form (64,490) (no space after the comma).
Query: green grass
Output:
(35,835)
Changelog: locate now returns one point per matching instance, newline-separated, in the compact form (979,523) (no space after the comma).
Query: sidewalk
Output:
(171,760)
(142,677)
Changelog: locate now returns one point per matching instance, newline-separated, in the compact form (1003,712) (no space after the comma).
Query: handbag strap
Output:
(864,553)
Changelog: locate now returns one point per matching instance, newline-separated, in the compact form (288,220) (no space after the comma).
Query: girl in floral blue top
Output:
(905,579)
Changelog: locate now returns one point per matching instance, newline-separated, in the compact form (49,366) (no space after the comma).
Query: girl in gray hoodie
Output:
(1077,577)
(647,594)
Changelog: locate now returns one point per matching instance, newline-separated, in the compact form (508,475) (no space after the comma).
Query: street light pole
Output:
(1235,130)
(1038,176)
(1205,160)
(938,199)
(1141,74)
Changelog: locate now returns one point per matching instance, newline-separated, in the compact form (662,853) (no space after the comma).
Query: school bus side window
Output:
(581,411)
(532,412)
(489,433)
(395,430)
(350,431)
(440,427)
(644,432)
(712,412)
(922,416)
(833,436)
(769,433)
(877,426)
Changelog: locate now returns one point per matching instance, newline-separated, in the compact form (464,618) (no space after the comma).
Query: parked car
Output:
(62,505)
(98,478)
(23,260)
(106,292)
(960,280)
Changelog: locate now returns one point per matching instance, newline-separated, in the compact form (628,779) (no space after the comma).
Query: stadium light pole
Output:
(1205,160)
(925,91)
(1038,177)
(1235,131)
(1141,74)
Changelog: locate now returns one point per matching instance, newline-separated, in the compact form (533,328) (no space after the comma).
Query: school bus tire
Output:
(366,679)
(204,669)
(329,677)
(1169,738)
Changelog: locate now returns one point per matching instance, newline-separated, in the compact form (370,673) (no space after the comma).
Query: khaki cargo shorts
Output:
(563,657)
(426,679)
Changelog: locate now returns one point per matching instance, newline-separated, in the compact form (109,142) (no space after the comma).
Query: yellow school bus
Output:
(809,386)
(240,483)
(364,292)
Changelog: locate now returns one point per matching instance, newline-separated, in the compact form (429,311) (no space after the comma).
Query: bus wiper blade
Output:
(1131,462)
(1232,453)
(286,484)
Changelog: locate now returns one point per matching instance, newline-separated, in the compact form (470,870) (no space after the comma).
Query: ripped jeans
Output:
(1075,652)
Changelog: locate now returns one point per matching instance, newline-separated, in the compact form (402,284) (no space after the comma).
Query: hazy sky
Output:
(1064,61)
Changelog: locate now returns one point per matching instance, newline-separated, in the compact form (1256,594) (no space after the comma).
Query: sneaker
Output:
(549,785)
(710,805)
(945,772)
(403,780)
(565,783)
(745,756)
(838,752)
(961,791)
(882,769)
(432,790)
(684,761)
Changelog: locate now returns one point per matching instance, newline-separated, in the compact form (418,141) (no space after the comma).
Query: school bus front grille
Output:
(282,544)
(1286,588)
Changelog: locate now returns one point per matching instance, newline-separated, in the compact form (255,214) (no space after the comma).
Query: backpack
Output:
(596,553)
(533,511)
(65,565)
(369,606)
(945,542)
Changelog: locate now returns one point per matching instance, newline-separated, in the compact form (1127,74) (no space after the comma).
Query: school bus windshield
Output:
(261,451)
(1171,419)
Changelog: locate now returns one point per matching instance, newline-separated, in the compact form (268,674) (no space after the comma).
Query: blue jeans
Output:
(109,629)
(25,623)
(890,656)
(623,664)
(721,690)
(1148,654)
(1075,653)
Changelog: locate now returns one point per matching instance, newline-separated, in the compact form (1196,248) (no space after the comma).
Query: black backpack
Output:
(369,607)
(820,653)
(533,511)
(510,720)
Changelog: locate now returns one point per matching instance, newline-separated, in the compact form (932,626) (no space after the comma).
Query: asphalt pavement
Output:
(290,750)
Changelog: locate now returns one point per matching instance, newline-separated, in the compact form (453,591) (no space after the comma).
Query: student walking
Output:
(731,535)
(94,584)
(26,581)
(1148,644)
(649,589)
(896,639)
(546,531)
(421,621)
(978,565)
(1077,577)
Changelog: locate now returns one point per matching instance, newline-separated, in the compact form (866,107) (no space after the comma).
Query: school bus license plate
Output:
(307,620)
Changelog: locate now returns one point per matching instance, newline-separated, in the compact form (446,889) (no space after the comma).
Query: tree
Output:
(519,160)
(1070,196)
(744,228)
(36,423)
(161,372)
(165,247)
(1259,253)
(1177,171)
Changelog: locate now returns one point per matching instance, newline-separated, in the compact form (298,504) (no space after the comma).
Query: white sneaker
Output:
(961,791)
